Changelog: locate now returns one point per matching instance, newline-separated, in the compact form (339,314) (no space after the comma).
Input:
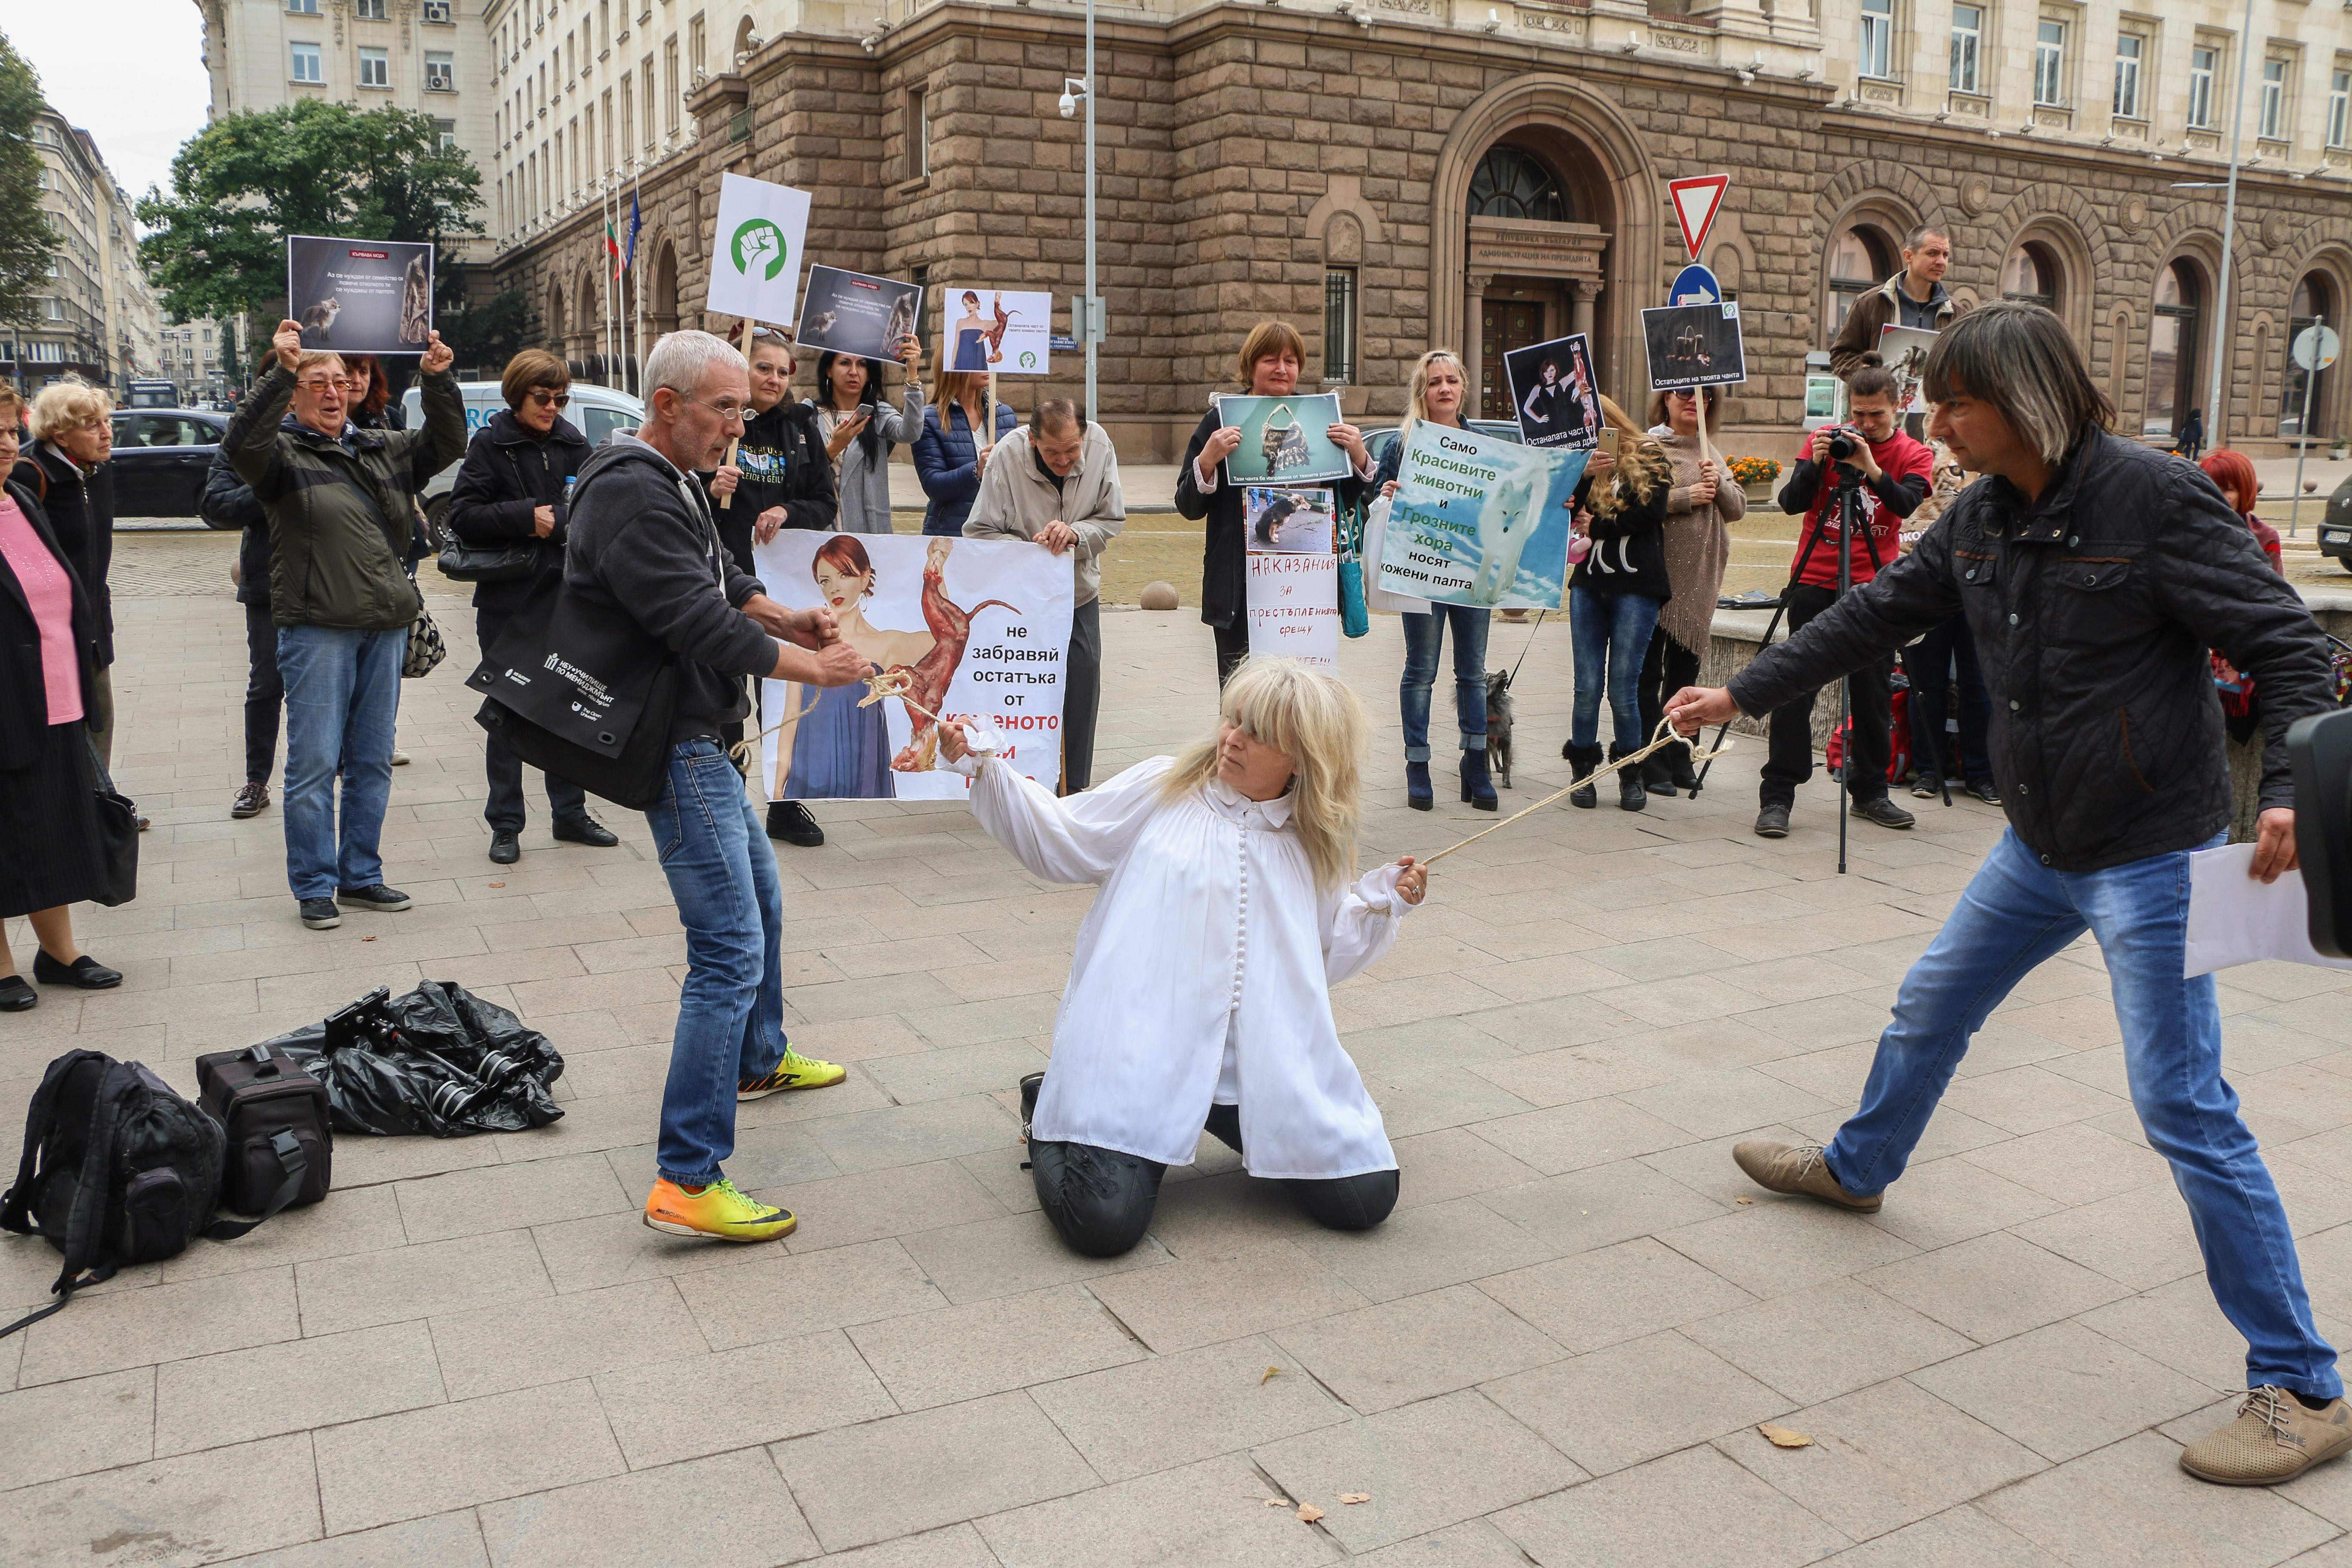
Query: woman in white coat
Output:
(1200,992)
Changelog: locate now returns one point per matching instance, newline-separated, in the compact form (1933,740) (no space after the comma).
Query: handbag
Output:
(117,841)
(425,649)
(1354,618)
(501,563)
(1284,445)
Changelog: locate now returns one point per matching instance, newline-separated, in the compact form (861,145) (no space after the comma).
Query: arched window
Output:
(2313,299)
(555,316)
(1509,182)
(2172,350)
(2031,275)
(1860,256)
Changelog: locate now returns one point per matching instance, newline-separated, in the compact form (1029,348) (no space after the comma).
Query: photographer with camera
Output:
(1886,472)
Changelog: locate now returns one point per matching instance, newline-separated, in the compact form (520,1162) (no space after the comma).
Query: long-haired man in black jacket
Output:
(2094,574)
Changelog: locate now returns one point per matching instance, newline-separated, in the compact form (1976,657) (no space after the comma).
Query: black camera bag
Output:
(117,1169)
(277,1123)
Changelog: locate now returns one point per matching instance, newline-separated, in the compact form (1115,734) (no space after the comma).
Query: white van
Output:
(597,411)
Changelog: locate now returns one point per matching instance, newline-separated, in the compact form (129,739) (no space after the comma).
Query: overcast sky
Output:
(130,73)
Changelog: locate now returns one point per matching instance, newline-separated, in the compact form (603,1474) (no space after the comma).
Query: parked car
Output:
(160,458)
(2335,525)
(598,411)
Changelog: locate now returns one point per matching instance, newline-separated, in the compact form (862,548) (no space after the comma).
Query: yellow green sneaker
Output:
(795,1072)
(716,1210)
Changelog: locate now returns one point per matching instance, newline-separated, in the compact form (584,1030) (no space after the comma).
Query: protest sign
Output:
(982,626)
(1552,392)
(1293,608)
(1289,521)
(360,296)
(1904,352)
(1694,345)
(851,313)
(755,253)
(992,330)
(1477,519)
(1284,439)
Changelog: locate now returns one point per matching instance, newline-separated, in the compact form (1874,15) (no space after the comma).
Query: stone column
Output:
(1474,309)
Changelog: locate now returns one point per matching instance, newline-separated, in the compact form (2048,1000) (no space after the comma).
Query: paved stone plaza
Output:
(1556,1351)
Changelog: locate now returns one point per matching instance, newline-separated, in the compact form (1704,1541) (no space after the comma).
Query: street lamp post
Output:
(2214,431)
(1093,302)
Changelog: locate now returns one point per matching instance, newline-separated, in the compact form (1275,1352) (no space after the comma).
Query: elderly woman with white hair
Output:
(1199,997)
(65,466)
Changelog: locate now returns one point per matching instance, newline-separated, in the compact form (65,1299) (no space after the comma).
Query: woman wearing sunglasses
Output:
(515,484)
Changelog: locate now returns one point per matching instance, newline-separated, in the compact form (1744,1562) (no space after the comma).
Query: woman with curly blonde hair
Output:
(1198,997)
(1614,596)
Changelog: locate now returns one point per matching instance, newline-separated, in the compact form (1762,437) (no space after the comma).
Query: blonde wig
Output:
(1417,394)
(1642,466)
(1315,721)
(67,405)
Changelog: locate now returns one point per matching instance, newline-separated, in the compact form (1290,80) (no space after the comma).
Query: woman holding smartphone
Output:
(1436,396)
(859,431)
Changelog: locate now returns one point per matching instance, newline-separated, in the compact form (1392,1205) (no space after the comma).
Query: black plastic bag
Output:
(439,1060)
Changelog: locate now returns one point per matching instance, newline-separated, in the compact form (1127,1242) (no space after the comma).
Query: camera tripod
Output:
(1847,501)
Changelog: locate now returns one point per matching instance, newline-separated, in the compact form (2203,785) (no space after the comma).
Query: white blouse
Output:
(1202,975)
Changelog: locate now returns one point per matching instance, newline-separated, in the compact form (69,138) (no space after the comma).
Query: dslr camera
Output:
(1845,442)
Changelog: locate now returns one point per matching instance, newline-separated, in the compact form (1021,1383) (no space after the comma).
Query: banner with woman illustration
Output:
(1479,519)
(1554,392)
(980,628)
(996,329)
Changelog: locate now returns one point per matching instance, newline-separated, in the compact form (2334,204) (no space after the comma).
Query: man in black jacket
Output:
(643,541)
(228,502)
(515,488)
(2094,574)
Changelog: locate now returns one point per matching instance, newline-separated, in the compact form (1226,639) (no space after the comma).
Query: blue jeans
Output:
(1610,634)
(342,692)
(730,1011)
(2016,912)
(1423,636)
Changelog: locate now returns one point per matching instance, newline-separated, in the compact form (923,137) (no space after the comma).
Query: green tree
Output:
(487,335)
(246,181)
(26,240)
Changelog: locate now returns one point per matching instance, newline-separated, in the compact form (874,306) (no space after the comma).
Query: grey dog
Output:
(1498,726)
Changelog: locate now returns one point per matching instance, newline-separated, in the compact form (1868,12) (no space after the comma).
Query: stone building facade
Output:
(95,317)
(1394,176)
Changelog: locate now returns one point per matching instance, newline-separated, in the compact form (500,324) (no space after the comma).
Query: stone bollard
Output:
(1158,596)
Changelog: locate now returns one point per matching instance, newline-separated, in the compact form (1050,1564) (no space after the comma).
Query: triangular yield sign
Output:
(1696,202)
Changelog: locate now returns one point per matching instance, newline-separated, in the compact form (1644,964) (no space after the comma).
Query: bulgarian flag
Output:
(613,248)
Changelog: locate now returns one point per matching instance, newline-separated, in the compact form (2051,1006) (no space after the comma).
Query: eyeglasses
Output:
(1683,396)
(320,383)
(729,412)
(540,394)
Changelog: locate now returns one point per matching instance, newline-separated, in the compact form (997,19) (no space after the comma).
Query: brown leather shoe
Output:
(2273,1439)
(1798,1170)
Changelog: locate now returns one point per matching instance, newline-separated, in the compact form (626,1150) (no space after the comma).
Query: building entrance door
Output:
(1504,325)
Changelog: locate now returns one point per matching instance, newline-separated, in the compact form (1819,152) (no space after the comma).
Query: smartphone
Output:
(1608,442)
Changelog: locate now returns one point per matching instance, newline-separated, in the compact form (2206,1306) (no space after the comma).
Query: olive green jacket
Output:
(339,514)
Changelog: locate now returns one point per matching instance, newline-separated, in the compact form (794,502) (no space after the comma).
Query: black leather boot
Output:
(1631,796)
(1582,760)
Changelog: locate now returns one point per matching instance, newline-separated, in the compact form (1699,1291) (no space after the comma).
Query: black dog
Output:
(1498,726)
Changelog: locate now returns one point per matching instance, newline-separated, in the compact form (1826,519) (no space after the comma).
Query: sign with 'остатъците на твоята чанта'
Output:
(1477,519)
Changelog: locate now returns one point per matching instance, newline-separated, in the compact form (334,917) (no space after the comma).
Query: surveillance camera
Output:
(1069,107)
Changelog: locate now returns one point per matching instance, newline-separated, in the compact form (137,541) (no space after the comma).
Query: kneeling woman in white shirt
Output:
(1200,992)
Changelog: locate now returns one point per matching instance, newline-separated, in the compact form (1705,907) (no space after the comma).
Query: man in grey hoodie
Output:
(642,539)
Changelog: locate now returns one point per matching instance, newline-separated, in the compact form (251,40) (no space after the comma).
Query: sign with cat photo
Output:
(360,296)
(851,313)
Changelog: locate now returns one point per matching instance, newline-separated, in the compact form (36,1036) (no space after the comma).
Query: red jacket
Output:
(1908,467)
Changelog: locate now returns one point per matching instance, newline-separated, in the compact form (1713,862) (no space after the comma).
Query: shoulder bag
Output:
(503,562)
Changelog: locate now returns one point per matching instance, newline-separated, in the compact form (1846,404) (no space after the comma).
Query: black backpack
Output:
(118,1170)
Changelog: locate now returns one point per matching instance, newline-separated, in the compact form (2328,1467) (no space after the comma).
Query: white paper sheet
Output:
(2234,919)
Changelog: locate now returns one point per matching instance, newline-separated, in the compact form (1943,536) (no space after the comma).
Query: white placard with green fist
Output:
(755,253)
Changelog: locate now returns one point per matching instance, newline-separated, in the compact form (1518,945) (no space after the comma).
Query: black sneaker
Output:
(320,915)
(1030,1085)
(506,849)
(379,898)
(1772,822)
(1883,812)
(252,800)
(586,829)
(1983,790)
(789,821)
(1925,787)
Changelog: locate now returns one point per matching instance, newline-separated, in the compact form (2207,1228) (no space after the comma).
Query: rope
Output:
(882,683)
(1664,736)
